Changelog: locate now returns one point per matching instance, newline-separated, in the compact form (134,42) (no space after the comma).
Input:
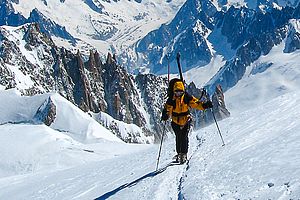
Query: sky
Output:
(76,158)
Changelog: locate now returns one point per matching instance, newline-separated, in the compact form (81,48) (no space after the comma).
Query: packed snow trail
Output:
(175,180)
(127,185)
(164,182)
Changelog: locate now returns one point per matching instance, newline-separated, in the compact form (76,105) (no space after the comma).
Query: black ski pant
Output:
(182,140)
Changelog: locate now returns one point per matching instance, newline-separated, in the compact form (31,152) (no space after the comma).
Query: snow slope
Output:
(267,78)
(259,161)
(15,109)
(29,146)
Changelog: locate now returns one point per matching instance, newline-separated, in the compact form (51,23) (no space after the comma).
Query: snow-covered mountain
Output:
(254,4)
(149,36)
(108,26)
(260,158)
(50,149)
(256,35)
(31,62)
(203,30)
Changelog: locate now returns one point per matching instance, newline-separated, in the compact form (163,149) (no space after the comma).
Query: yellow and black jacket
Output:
(178,108)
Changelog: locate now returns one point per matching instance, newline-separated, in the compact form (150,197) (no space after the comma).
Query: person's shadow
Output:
(127,185)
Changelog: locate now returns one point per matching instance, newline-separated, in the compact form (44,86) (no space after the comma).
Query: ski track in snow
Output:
(171,182)
(170,186)
(133,183)
(171,177)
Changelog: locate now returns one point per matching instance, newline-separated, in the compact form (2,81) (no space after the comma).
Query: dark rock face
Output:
(153,91)
(204,118)
(293,37)
(218,101)
(253,34)
(120,93)
(46,112)
(185,34)
(9,17)
(7,77)
(91,84)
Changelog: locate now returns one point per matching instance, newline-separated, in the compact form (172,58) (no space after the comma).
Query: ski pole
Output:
(213,114)
(168,68)
(162,137)
(217,126)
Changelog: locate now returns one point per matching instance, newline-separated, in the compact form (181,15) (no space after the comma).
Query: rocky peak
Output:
(110,58)
(91,85)
(48,26)
(293,37)
(93,66)
(218,100)
(204,118)
(252,33)
(34,37)
(46,113)
(8,15)
(116,79)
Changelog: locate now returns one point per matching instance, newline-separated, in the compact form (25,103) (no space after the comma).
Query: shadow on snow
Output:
(127,185)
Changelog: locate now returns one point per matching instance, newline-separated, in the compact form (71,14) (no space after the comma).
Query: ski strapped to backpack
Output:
(167,56)
(174,80)
(179,66)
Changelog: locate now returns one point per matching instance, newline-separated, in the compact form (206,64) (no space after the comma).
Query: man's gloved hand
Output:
(207,104)
(164,115)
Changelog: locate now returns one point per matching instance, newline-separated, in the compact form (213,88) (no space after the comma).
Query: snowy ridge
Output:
(126,130)
(32,59)
(253,4)
(81,127)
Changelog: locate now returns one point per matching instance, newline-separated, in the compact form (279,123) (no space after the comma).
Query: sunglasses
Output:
(178,92)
